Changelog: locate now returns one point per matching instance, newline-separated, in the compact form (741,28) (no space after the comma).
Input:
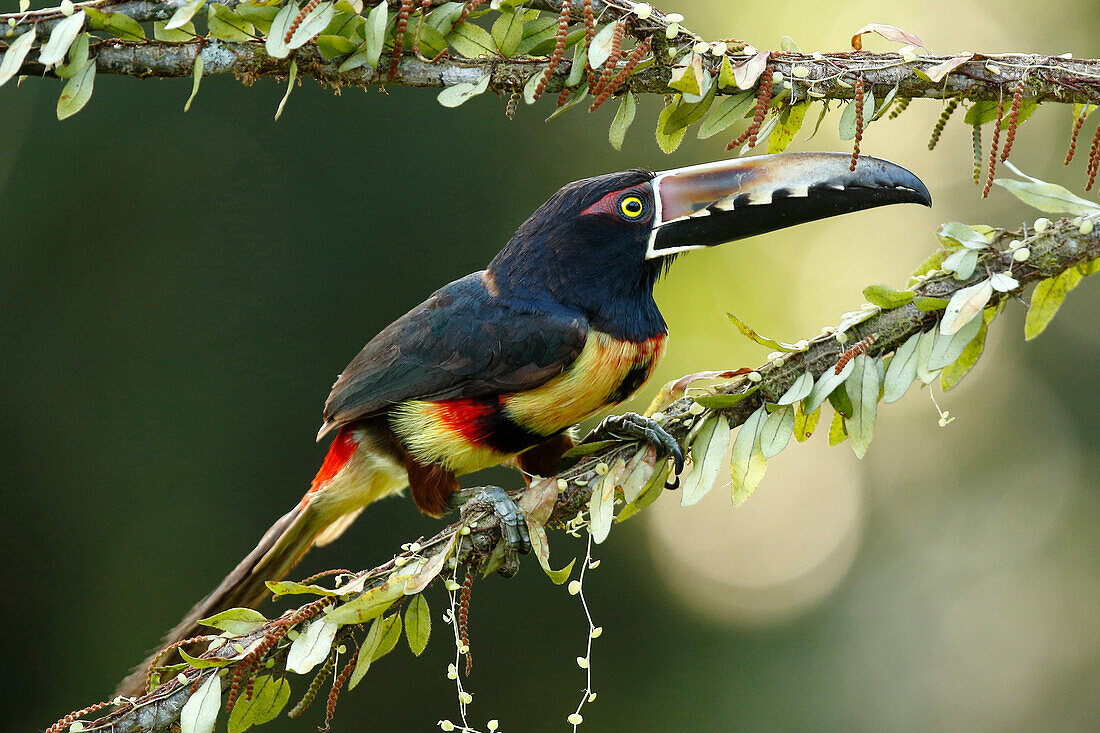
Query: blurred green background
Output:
(179,291)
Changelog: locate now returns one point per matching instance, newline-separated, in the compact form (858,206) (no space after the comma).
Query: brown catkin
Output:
(589,34)
(1076,131)
(160,655)
(612,59)
(467,9)
(1094,159)
(941,123)
(859,122)
(75,715)
(559,47)
(334,693)
(399,35)
(306,10)
(563,96)
(314,687)
(763,99)
(901,106)
(993,146)
(613,86)
(513,102)
(976,137)
(464,617)
(425,6)
(855,350)
(1013,119)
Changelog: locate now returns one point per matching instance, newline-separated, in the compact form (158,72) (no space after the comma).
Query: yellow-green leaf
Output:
(668,140)
(953,373)
(623,117)
(418,624)
(804,425)
(1047,299)
(236,621)
(838,433)
(790,122)
(471,40)
(885,296)
(197,73)
(507,32)
(747,463)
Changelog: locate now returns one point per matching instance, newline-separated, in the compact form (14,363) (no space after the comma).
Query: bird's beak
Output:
(709,204)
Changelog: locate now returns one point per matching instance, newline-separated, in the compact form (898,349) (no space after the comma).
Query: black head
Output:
(601,241)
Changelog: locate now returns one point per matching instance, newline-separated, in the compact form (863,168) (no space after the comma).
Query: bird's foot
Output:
(513,523)
(632,426)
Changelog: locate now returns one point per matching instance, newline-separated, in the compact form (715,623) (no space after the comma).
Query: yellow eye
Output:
(632,207)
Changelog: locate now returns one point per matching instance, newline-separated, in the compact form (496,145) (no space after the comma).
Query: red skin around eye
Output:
(609,204)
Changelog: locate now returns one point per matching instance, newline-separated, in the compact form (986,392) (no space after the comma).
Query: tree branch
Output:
(473,542)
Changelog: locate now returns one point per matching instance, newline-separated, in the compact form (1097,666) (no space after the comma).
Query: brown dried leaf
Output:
(889,32)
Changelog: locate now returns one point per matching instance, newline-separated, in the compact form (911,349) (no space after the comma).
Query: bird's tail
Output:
(349,479)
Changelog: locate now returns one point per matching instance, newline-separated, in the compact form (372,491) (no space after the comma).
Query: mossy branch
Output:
(561,501)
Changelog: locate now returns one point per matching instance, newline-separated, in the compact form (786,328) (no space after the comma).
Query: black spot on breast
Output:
(632,382)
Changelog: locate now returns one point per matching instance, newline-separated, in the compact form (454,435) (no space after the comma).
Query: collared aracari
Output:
(562,324)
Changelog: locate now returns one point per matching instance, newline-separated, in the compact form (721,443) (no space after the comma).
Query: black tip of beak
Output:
(722,202)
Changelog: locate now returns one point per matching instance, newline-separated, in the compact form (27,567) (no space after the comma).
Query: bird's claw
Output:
(632,426)
(513,523)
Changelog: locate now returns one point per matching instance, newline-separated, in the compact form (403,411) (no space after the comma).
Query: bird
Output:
(562,324)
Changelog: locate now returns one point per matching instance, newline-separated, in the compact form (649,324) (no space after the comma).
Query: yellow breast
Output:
(606,372)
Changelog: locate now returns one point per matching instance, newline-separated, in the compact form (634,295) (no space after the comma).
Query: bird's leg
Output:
(632,426)
(513,524)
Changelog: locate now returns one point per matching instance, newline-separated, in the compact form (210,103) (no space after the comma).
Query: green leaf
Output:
(804,424)
(453,96)
(291,588)
(688,113)
(953,373)
(748,332)
(948,348)
(236,621)
(260,16)
(123,26)
(576,71)
(375,34)
(649,494)
(200,712)
(333,46)
(962,263)
(227,25)
(443,18)
(954,232)
(418,624)
(315,22)
(183,15)
(728,111)
(77,91)
(826,383)
(382,637)
(863,389)
(507,33)
(747,463)
(839,399)
(576,98)
(312,646)
(686,76)
(885,296)
(269,697)
(790,122)
(981,113)
(798,390)
(927,304)
(1048,197)
(197,73)
(668,140)
(925,347)
(838,433)
(61,37)
(777,431)
(471,40)
(182,35)
(848,116)
(725,74)
(623,117)
(932,262)
(274,44)
(370,604)
(902,370)
(289,87)
(78,56)
(707,453)
(199,663)
(722,401)
(13,57)
(1047,299)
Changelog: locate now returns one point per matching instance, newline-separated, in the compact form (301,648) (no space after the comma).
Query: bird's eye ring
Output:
(631,207)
